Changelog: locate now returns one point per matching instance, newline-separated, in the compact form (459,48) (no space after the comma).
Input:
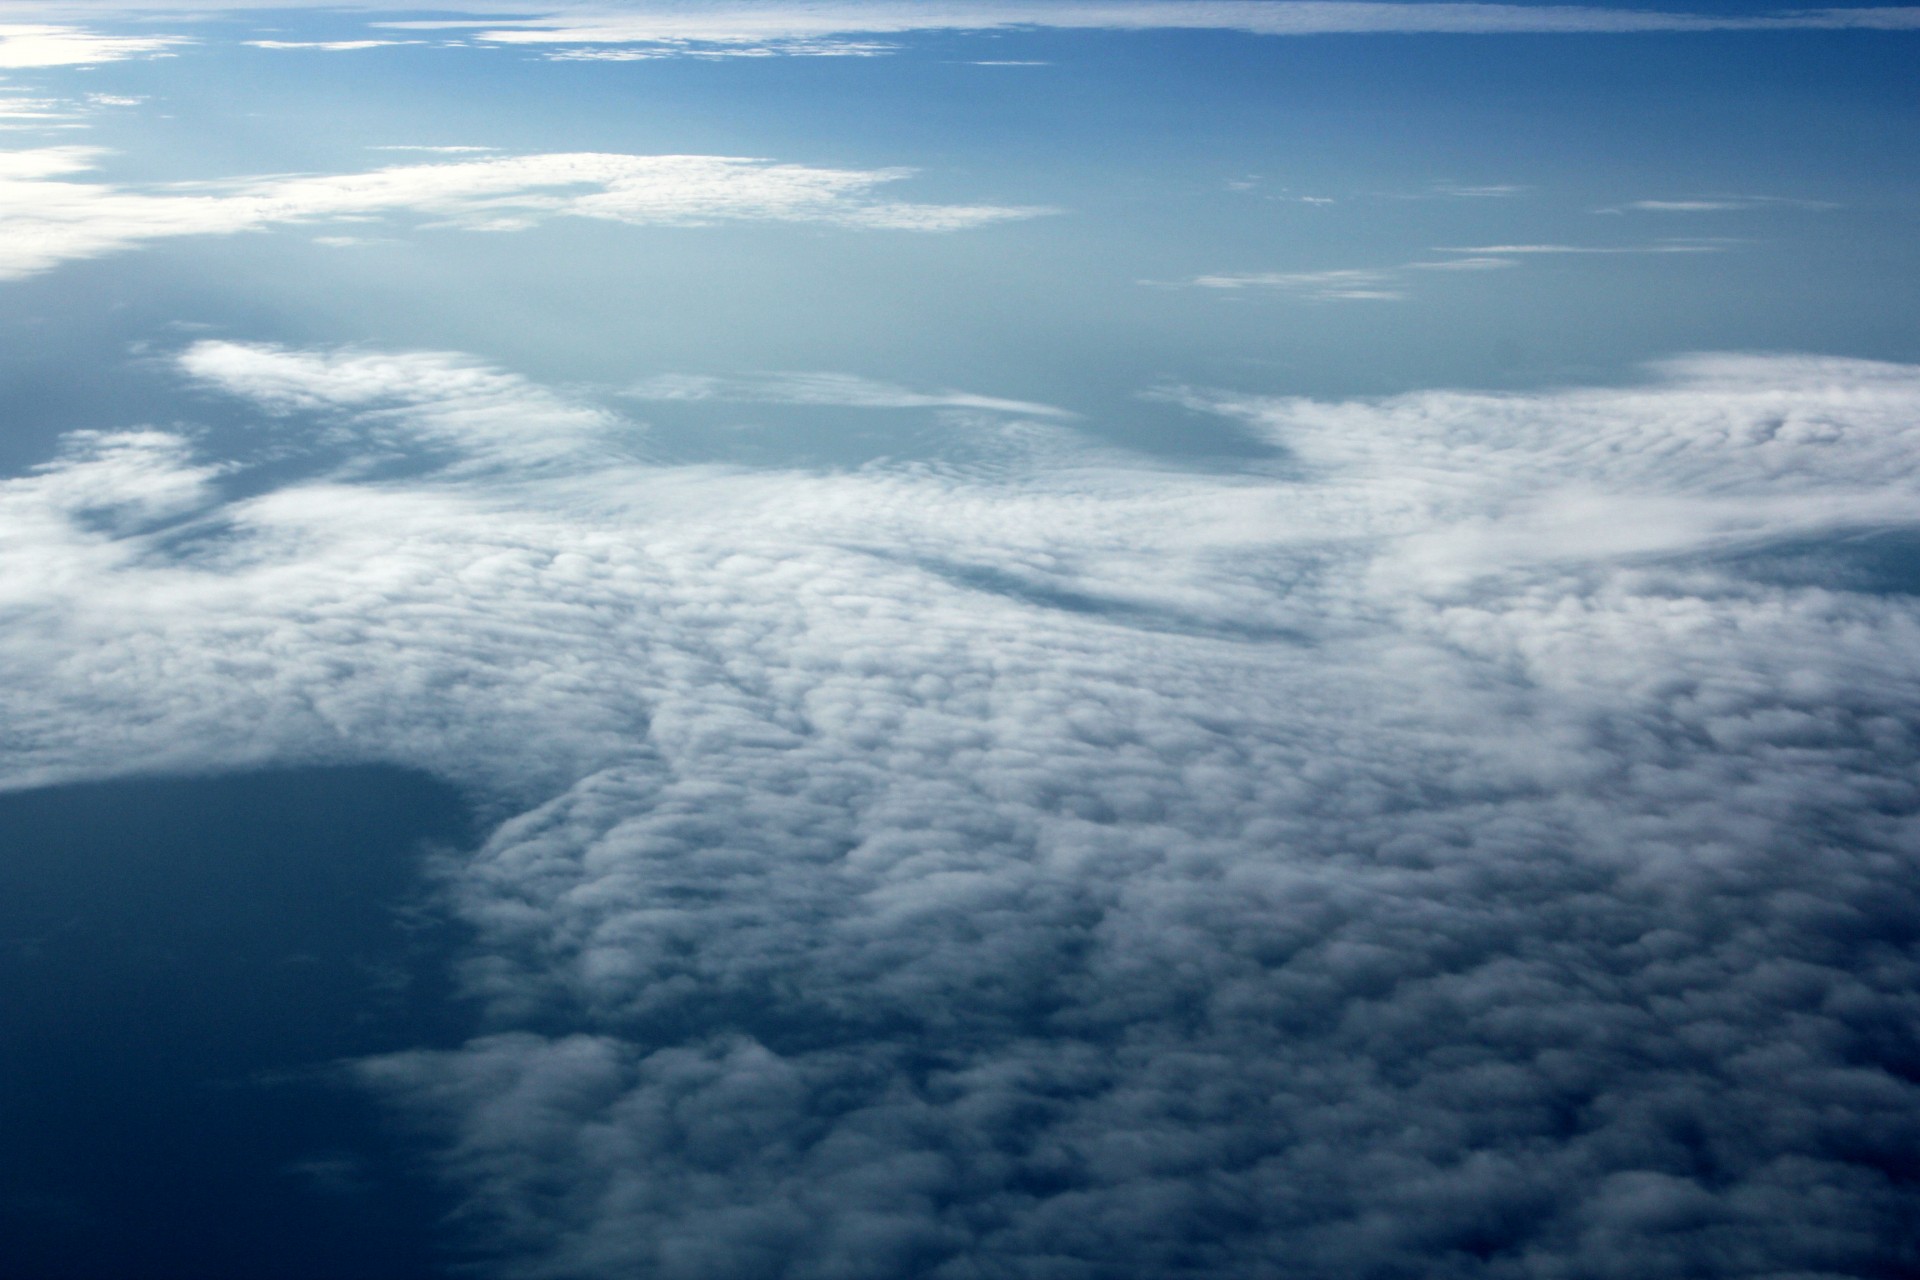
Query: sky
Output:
(1057,639)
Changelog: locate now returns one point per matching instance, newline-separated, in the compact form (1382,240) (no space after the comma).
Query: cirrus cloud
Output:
(49,217)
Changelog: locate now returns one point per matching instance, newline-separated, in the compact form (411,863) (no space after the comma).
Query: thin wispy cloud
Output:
(1714,245)
(437,150)
(1496,191)
(721,49)
(1345,284)
(838,390)
(1716,204)
(328,46)
(49,217)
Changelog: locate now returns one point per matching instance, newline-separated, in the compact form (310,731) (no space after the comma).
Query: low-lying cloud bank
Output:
(48,217)
(1482,845)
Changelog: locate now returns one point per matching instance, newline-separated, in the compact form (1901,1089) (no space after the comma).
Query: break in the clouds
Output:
(1473,845)
(51,216)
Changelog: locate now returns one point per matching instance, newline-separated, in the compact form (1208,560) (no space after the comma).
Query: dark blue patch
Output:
(182,964)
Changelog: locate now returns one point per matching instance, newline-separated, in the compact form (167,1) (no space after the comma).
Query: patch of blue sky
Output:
(1335,178)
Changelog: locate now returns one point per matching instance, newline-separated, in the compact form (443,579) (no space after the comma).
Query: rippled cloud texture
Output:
(1470,848)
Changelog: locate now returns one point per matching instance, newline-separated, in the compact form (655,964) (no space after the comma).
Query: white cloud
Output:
(1390,284)
(675,25)
(1661,246)
(1716,204)
(1461,264)
(698,49)
(1686,206)
(1365,284)
(440,400)
(1454,847)
(328,46)
(49,218)
(1360,284)
(831,389)
(1496,191)
(28,45)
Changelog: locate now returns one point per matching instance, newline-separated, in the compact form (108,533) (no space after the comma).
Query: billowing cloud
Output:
(49,217)
(1470,846)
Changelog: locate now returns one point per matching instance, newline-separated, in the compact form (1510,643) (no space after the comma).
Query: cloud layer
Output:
(768,26)
(47,217)
(1474,846)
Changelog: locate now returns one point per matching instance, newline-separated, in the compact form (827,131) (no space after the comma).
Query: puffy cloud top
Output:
(1477,847)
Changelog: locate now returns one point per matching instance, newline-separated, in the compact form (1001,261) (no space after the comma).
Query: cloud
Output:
(707,49)
(1685,206)
(1661,246)
(1348,284)
(831,389)
(1498,191)
(1461,264)
(1361,284)
(49,218)
(1447,851)
(27,45)
(681,26)
(328,46)
(1716,204)
(438,400)
(1390,284)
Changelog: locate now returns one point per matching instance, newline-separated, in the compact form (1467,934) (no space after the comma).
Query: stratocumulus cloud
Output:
(1463,851)
(49,217)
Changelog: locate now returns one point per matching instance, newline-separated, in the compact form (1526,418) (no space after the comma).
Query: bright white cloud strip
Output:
(26,45)
(328,46)
(828,389)
(1471,844)
(1366,284)
(47,217)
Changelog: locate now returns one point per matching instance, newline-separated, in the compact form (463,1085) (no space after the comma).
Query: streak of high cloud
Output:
(47,216)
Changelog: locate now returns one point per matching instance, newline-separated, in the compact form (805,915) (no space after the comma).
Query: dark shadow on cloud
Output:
(1121,612)
(1874,561)
(181,961)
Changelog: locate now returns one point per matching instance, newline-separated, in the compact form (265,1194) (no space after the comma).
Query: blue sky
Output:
(1077,640)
